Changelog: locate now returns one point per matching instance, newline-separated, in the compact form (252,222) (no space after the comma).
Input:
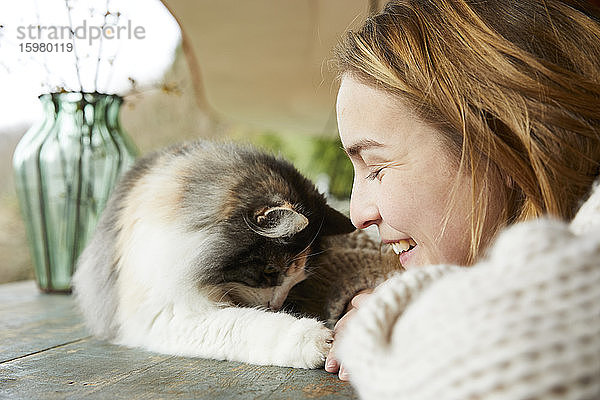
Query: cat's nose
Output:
(295,267)
(273,307)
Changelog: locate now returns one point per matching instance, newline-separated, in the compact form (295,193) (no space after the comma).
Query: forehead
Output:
(367,112)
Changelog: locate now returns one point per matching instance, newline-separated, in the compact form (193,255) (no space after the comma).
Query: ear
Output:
(336,223)
(278,222)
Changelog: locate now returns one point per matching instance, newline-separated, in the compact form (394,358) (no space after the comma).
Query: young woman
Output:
(464,120)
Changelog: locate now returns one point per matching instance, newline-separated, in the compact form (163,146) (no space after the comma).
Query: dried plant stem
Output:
(74,45)
(47,70)
(194,67)
(98,62)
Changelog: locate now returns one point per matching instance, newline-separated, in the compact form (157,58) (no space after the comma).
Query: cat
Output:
(346,265)
(199,247)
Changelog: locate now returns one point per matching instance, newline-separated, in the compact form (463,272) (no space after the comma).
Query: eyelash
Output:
(374,174)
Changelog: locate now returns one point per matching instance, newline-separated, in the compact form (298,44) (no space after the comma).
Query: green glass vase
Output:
(65,169)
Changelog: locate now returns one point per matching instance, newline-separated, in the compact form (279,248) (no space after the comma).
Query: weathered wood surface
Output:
(46,353)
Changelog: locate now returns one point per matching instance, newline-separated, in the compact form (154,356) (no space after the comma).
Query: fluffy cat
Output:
(198,248)
(345,265)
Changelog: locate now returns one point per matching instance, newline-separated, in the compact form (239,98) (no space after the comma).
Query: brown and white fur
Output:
(198,247)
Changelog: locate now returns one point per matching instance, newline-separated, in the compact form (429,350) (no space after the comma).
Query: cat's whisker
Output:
(299,256)
(317,233)
(316,254)
(304,256)
(225,294)
(314,273)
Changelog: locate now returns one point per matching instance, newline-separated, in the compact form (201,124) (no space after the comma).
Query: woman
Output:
(462,119)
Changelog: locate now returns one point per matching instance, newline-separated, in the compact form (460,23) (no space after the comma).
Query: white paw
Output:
(313,341)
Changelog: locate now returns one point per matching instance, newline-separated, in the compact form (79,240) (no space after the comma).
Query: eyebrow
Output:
(361,146)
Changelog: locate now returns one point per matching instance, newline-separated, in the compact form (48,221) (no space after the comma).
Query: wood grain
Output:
(46,353)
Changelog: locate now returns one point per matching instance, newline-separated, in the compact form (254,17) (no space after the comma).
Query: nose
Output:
(363,208)
(273,307)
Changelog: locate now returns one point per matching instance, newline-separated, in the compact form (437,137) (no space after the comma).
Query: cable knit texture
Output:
(524,323)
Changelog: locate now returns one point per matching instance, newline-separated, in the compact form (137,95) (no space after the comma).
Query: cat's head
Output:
(273,256)
(270,223)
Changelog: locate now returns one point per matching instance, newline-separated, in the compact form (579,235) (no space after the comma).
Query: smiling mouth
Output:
(403,246)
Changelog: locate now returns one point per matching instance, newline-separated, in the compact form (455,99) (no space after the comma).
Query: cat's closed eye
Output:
(270,270)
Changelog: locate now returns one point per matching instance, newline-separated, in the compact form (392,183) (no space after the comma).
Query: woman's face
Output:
(403,178)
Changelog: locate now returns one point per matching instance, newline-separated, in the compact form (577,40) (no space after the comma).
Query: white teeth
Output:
(401,245)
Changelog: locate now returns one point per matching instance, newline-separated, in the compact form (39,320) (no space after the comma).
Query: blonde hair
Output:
(513,86)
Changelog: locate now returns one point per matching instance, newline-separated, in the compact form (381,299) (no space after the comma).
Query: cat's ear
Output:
(336,223)
(278,222)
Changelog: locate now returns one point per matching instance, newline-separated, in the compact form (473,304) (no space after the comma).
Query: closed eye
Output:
(270,270)
(374,174)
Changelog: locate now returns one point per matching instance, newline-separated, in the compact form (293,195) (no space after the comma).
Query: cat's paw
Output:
(313,341)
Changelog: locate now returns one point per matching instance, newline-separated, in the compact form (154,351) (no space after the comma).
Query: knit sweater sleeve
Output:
(524,323)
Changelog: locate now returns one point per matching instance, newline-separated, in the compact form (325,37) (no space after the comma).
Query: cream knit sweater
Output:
(522,324)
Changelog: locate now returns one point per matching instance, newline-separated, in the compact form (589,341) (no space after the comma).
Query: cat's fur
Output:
(197,247)
(346,265)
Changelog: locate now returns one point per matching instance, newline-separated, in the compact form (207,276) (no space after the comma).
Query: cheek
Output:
(450,228)
(399,203)
(417,207)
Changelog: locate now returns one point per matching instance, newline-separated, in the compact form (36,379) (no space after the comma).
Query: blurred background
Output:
(254,71)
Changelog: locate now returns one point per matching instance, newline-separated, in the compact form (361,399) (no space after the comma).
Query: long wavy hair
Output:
(513,86)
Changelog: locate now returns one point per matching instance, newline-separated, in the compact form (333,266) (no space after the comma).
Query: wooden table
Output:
(45,352)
